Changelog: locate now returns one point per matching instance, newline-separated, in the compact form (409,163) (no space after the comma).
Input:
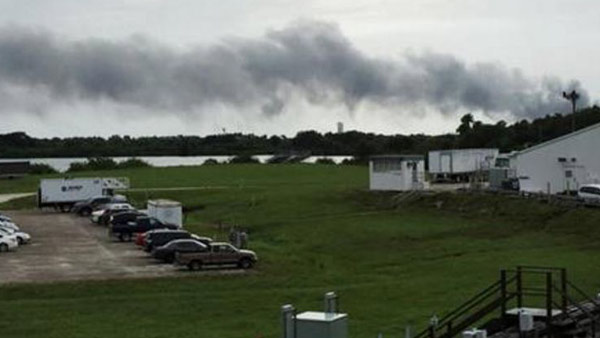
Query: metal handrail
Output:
(466,306)
(588,298)
(581,308)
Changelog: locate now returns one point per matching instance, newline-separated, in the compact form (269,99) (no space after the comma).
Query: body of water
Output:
(62,164)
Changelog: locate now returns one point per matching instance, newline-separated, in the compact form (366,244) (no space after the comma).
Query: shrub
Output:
(244,159)
(210,161)
(41,168)
(93,163)
(133,163)
(324,160)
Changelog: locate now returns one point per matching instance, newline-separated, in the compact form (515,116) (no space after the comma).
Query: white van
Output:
(589,192)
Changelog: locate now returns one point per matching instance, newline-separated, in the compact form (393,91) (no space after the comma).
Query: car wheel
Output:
(245,263)
(170,259)
(3,247)
(195,265)
(20,240)
(85,212)
(126,237)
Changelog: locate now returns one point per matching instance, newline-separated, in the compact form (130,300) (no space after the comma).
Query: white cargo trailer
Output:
(460,163)
(166,211)
(62,193)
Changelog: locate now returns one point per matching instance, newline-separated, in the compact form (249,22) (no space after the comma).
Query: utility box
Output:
(166,211)
(321,325)
(525,321)
(474,333)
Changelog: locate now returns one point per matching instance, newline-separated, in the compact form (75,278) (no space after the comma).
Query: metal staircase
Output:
(563,310)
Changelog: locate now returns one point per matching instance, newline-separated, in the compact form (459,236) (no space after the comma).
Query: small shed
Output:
(166,211)
(397,172)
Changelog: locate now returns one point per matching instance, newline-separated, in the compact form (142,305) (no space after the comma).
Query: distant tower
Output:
(340,127)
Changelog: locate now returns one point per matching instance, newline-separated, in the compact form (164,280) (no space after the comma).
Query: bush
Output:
(41,168)
(324,160)
(356,161)
(93,163)
(133,163)
(243,159)
(106,163)
(210,161)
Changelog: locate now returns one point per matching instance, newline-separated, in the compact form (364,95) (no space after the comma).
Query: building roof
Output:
(398,157)
(463,149)
(558,139)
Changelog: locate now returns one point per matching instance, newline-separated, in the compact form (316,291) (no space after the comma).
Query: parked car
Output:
(108,208)
(160,238)
(125,217)
(4,218)
(86,207)
(125,232)
(22,237)
(9,225)
(143,236)
(8,242)
(167,252)
(218,254)
(589,192)
(106,216)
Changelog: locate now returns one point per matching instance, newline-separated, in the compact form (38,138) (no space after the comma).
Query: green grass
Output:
(315,229)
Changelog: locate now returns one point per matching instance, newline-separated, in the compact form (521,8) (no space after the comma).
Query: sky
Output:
(195,67)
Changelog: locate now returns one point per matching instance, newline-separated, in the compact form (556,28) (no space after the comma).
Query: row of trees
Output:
(469,134)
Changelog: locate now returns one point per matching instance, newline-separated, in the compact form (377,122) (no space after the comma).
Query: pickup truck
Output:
(217,254)
(125,231)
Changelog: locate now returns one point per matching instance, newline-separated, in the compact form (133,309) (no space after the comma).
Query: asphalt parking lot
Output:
(66,247)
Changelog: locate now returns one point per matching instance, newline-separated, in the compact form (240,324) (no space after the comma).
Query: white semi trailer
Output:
(459,164)
(62,193)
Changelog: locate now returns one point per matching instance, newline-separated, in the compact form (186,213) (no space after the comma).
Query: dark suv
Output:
(159,238)
(85,208)
(125,231)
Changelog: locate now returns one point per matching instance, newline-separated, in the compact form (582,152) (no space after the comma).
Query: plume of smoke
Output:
(311,59)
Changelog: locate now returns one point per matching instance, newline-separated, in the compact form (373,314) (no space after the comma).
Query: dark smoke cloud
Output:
(312,60)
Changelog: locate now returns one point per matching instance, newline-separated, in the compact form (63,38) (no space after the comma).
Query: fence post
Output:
(563,286)
(503,291)
(519,288)
(549,304)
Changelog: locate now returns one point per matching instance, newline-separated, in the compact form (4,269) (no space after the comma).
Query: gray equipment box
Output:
(321,325)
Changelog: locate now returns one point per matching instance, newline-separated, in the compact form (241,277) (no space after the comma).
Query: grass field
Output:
(315,229)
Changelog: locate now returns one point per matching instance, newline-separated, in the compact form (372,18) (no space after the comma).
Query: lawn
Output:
(315,229)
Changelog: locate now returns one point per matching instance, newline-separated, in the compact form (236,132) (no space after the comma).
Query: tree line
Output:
(470,133)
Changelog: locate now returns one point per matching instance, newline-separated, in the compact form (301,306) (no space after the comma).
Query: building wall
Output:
(539,169)
(397,180)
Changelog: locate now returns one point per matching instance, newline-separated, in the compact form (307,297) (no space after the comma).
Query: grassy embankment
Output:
(315,229)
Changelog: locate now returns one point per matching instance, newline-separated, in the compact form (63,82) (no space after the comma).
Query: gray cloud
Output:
(312,60)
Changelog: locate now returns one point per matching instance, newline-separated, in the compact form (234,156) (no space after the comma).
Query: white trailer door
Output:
(445,163)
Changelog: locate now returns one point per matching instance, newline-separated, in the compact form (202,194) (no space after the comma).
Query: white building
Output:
(460,162)
(561,164)
(397,172)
